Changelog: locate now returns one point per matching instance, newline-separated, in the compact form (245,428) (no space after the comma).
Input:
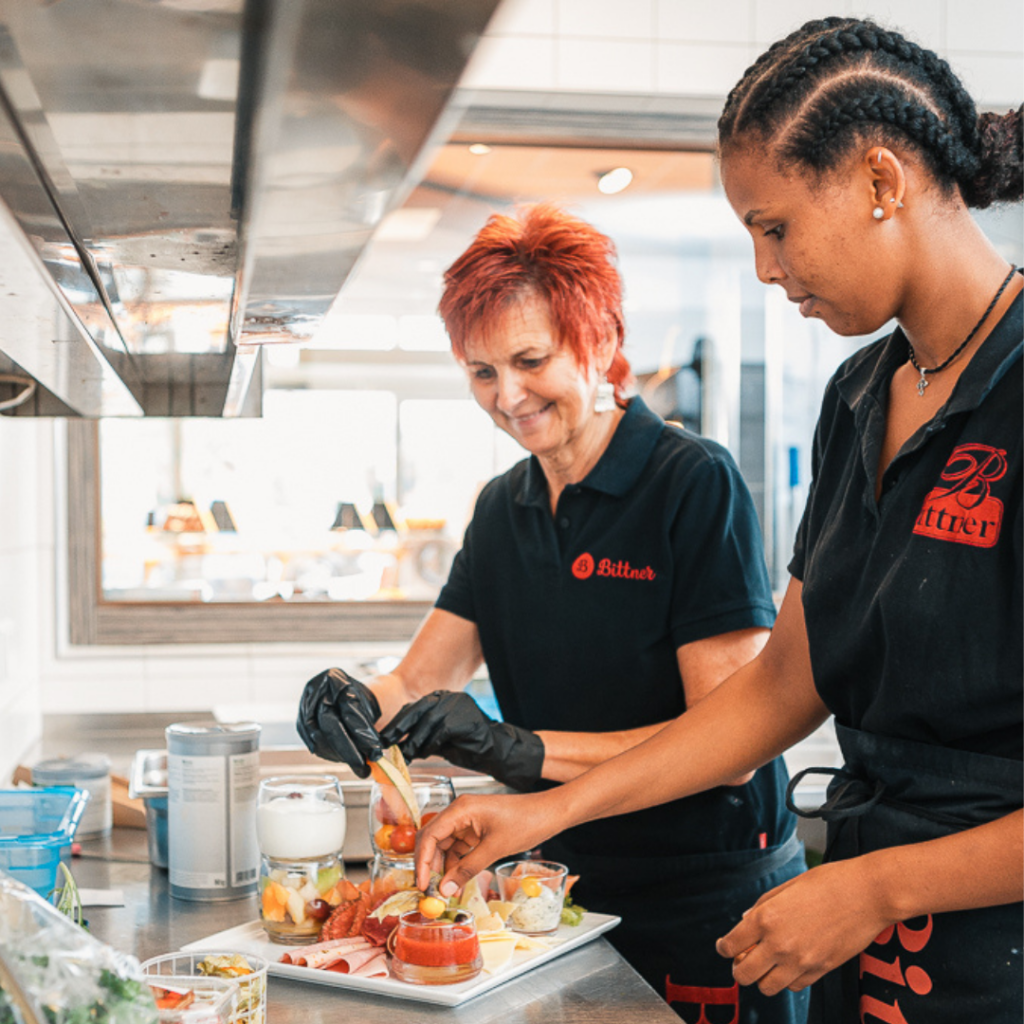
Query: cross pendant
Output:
(921,385)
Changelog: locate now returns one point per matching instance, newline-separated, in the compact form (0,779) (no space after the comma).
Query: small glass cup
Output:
(210,975)
(392,827)
(390,876)
(300,828)
(435,951)
(536,889)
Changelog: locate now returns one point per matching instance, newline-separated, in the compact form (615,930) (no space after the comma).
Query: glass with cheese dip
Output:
(536,890)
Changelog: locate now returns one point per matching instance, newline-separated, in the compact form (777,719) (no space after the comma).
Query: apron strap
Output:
(850,798)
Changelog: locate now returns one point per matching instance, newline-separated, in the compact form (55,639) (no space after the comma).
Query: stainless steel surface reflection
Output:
(198,177)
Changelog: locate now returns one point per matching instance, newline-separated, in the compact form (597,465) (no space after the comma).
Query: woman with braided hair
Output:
(853,157)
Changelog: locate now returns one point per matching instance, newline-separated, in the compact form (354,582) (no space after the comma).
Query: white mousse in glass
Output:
(299,827)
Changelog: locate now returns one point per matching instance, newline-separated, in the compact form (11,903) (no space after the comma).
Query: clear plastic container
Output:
(90,772)
(202,1000)
(36,830)
(245,972)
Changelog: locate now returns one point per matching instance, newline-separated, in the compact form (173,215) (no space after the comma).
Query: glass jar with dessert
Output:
(300,828)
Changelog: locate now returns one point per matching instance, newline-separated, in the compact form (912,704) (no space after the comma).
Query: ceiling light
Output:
(479,149)
(610,182)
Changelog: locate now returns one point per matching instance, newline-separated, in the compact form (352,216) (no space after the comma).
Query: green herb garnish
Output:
(572,913)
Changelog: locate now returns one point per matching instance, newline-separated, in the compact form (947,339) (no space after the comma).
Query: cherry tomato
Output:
(382,837)
(428,817)
(403,839)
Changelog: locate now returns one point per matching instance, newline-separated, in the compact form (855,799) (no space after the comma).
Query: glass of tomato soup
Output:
(435,951)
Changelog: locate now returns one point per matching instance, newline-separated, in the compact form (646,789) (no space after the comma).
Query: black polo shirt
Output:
(580,614)
(913,602)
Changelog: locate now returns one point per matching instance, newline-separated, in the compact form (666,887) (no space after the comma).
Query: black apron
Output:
(952,968)
(673,910)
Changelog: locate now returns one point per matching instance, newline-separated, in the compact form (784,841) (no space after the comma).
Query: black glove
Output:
(452,725)
(336,720)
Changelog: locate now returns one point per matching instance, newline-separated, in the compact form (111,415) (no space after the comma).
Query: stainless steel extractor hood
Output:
(182,181)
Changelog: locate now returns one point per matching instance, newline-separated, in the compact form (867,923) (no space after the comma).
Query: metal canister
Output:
(212,784)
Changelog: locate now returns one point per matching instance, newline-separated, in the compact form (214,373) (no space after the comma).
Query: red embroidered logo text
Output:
(962,509)
(583,566)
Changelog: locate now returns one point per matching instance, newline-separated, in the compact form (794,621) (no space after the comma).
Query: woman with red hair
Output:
(609,582)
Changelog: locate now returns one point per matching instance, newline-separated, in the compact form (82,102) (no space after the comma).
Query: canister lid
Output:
(213,728)
(212,738)
(63,770)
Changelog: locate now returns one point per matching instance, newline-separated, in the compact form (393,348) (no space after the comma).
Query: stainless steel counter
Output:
(591,985)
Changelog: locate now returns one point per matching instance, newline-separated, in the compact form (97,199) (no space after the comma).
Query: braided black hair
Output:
(840,82)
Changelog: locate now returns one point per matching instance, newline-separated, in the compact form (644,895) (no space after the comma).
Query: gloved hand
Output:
(452,725)
(336,720)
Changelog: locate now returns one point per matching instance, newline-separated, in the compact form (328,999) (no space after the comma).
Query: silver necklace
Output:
(923,382)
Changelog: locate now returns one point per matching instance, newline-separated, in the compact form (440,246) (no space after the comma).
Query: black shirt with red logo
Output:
(580,615)
(913,602)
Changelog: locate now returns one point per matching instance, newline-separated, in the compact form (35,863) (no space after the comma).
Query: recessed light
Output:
(610,182)
(479,149)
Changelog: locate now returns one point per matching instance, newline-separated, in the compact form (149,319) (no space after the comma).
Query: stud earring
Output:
(878,213)
(604,397)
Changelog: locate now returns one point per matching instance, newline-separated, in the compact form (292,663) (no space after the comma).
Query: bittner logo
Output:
(584,566)
(962,509)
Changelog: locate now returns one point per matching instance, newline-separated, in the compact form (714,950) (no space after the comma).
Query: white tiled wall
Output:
(24,488)
(694,48)
(684,47)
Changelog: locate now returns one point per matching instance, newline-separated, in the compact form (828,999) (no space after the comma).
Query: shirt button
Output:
(564,522)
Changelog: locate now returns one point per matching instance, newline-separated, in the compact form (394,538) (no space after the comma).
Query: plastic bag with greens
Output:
(68,976)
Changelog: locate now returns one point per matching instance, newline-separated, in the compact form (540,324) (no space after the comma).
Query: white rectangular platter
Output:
(251,938)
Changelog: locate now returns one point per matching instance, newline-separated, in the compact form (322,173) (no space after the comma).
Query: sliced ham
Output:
(375,968)
(348,963)
(300,953)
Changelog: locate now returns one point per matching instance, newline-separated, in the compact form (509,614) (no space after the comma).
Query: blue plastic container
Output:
(36,830)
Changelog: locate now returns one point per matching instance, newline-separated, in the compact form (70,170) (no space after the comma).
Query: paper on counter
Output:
(101,897)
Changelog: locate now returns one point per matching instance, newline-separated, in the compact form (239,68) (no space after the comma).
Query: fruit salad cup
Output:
(397,814)
(300,826)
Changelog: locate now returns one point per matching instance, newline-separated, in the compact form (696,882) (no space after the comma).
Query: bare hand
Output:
(805,927)
(475,831)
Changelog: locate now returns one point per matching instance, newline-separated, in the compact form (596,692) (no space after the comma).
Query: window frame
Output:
(94,620)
